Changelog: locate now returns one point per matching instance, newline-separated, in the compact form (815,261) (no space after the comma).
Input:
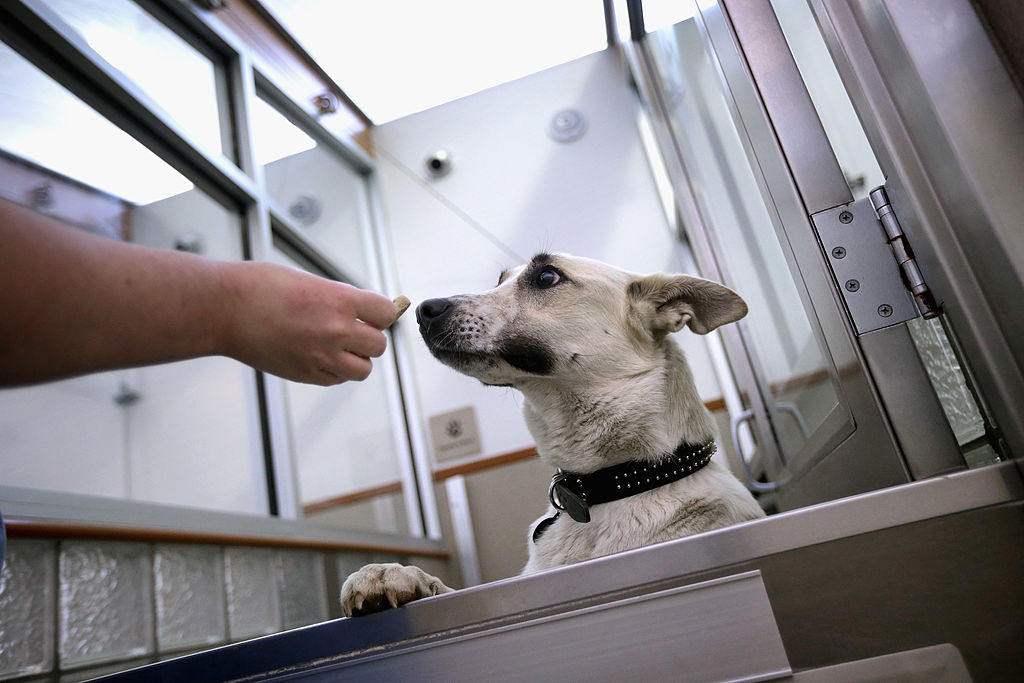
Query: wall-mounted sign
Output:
(455,434)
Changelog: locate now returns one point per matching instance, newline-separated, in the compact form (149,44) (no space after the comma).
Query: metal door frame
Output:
(799,177)
(951,142)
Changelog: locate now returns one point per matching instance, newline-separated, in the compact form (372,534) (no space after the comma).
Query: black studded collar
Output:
(577,493)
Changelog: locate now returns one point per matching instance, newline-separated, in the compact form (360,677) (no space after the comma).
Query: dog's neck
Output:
(642,417)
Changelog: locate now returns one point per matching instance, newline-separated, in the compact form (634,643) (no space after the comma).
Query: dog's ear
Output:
(665,303)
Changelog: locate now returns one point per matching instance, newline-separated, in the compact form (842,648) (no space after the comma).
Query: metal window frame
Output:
(40,36)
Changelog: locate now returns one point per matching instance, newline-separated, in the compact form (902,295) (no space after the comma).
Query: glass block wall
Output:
(74,609)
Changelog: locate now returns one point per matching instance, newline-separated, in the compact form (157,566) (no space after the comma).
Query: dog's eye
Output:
(547,277)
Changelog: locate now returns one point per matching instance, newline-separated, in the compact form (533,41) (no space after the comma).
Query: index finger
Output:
(374,309)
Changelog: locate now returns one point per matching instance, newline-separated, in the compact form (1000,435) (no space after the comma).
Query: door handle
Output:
(751,483)
(786,407)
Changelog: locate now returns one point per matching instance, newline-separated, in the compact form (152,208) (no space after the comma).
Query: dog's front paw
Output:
(377,587)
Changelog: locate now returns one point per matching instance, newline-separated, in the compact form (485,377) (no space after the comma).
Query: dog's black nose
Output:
(431,311)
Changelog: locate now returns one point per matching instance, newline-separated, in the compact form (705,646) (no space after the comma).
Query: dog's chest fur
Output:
(640,418)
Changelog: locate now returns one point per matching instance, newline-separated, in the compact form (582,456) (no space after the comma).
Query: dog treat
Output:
(401,306)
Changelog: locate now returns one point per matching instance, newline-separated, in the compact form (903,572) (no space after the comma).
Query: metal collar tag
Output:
(563,498)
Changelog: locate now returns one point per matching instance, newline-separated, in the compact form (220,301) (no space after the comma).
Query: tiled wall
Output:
(70,610)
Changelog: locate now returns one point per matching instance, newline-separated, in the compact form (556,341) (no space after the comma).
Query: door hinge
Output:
(904,255)
(873,264)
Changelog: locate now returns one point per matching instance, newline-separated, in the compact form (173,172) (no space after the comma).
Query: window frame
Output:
(34,31)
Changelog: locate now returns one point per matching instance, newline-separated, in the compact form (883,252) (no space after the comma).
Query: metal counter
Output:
(936,561)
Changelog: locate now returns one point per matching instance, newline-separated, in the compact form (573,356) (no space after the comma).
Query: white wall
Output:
(339,231)
(514,191)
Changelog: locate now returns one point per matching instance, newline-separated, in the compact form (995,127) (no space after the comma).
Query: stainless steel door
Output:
(946,123)
(836,409)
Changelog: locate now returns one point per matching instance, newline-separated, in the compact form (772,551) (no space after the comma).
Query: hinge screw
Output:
(852,285)
(845,217)
(885,310)
(326,103)
(839,252)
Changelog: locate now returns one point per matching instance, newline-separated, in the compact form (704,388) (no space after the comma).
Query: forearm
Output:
(72,303)
(75,303)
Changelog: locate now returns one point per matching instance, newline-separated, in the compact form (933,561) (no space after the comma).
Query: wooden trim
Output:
(800,382)
(278,54)
(480,464)
(299,51)
(18,528)
(354,497)
(484,463)
(440,474)
(715,404)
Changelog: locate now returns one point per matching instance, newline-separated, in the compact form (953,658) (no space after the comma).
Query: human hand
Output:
(302,327)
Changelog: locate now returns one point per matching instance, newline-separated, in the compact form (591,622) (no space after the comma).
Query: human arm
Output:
(72,303)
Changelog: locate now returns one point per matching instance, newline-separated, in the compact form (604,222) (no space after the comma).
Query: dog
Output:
(609,399)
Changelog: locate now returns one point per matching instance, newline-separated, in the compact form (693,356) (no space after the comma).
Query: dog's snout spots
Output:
(471,326)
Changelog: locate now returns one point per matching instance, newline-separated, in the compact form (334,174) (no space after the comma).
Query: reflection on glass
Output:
(182,434)
(179,79)
(659,14)
(315,190)
(789,359)
(43,123)
(343,441)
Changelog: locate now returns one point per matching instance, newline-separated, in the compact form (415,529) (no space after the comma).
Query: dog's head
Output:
(561,316)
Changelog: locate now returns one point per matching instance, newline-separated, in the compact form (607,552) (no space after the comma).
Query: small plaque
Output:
(455,434)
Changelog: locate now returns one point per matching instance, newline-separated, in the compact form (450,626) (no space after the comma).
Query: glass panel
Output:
(254,601)
(106,602)
(27,608)
(183,434)
(181,80)
(303,587)
(829,97)
(792,366)
(950,385)
(343,441)
(189,586)
(321,195)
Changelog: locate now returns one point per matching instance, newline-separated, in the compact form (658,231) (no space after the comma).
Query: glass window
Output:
(180,80)
(344,444)
(184,434)
(785,350)
(829,97)
(315,191)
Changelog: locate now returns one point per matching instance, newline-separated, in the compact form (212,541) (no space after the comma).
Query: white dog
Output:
(609,399)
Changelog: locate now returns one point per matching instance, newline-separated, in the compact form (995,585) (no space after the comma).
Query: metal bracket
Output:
(862,263)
